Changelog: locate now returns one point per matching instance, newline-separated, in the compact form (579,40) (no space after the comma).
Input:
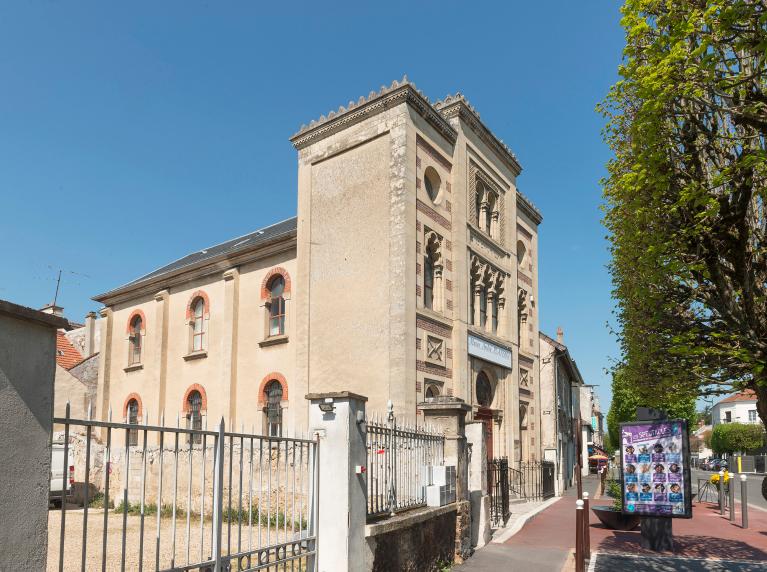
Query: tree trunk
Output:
(761,408)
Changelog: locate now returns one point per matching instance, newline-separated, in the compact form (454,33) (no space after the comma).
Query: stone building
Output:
(409,272)
(561,384)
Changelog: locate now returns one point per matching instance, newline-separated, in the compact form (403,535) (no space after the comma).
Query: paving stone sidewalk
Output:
(708,542)
(543,545)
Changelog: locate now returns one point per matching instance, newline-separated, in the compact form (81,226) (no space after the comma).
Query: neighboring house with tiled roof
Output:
(77,368)
(66,354)
(737,408)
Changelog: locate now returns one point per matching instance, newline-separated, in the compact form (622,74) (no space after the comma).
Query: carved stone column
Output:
(477,302)
(482,216)
(494,224)
(501,316)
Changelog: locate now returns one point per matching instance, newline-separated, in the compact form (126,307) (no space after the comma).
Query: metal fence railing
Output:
(498,481)
(532,480)
(183,499)
(398,457)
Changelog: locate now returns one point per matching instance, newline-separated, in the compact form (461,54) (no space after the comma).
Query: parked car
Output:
(716,464)
(61,480)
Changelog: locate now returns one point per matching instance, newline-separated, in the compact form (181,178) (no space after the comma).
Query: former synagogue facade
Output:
(410,272)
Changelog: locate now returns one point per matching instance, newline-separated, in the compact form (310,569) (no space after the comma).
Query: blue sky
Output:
(132,133)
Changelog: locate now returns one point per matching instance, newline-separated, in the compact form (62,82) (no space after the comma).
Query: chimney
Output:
(560,335)
(53,309)
(90,334)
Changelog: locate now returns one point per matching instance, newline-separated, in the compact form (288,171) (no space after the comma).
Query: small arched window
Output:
(431,183)
(428,281)
(199,332)
(273,409)
(135,341)
(194,415)
(491,204)
(479,197)
(483,306)
(484,390)
(132,419)
(522,416)
(276,305)
(521,253)
(432,391)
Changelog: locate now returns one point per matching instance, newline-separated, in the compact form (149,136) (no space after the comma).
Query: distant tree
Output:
(704,415)
(737,437)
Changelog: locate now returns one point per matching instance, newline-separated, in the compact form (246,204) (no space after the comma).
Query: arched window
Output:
(132,419)
(428,282)
(199,333)
(480,199)
(194,415)
(483,307)
(134,338)
(484,390)
(276,306)
(522,416)
(489,213)
(432,391)
(273,409)
(431,183)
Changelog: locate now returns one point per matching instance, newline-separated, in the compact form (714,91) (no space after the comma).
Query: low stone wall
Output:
(415,541)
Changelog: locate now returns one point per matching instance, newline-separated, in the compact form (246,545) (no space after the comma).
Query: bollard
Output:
(731,486)
(721,493)
(586,534)
(579,536)
(744,499)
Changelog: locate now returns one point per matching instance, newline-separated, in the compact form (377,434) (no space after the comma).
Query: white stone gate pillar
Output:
(338,419)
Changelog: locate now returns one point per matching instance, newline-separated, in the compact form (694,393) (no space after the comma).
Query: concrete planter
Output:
(614,519)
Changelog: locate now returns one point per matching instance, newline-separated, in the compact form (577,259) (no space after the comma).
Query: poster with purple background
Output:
(656,453)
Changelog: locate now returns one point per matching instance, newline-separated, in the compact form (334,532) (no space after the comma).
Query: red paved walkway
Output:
(706,535)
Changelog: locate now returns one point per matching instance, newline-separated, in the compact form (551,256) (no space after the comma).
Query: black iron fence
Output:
(533,480)
(498,481)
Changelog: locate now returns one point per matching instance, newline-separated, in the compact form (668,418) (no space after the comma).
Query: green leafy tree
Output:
(685,198)
(736,437)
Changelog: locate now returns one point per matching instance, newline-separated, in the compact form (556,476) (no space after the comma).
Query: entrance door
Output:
(486,416)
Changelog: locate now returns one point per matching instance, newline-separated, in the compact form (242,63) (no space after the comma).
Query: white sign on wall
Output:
(489,351)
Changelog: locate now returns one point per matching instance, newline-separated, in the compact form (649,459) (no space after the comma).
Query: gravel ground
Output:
(74,536)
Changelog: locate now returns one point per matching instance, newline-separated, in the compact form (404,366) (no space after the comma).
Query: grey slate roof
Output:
(234,245)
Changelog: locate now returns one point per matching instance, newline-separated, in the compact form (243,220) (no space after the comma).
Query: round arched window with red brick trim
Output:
(276,304)
(273,409)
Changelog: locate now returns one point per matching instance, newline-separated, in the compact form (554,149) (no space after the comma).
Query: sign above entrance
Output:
(489,351)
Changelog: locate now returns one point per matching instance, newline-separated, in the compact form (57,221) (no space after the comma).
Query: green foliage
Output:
(98,501)
(274,519)
(628,393)
(444,566)
(613,489)
(737,437)
(686,201)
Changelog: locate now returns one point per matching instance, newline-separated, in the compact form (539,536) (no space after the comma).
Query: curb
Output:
(517,526)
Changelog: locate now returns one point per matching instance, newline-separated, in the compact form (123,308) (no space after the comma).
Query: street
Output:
(754,481)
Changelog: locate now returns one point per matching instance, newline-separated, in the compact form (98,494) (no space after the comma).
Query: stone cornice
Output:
(527,206)
(457,106)
(398,92)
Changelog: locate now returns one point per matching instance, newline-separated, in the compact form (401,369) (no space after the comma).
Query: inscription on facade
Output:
(489,351)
